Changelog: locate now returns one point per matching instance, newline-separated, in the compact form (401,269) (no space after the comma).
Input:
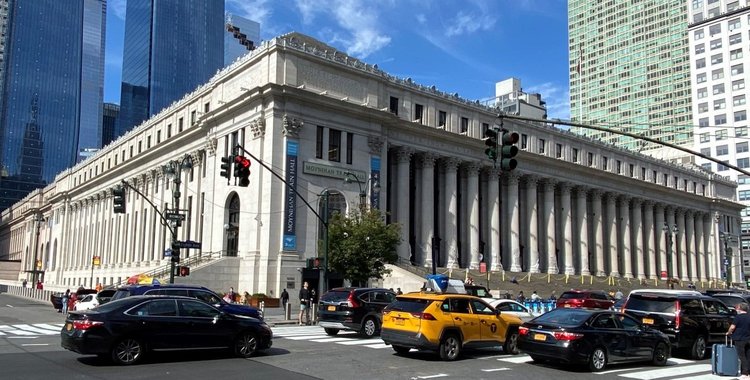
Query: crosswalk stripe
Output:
(673,361)
(13,331)
(705,377)
(353,342)
(328,340)
(49,326)
(377,346)
(496,369)
(37,330)
(305,337)
(668,372)
(516,359)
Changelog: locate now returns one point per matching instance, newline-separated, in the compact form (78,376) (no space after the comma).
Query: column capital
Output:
(427,159)
(689,213)
(531,180)
(681,212)
(511,178)
(611,197)
(581,190)
(565,187)
(596,194)
(403,154)
(636,202)
(549,184)
(649,203)
(471,167)
(492,172)
(659,206)
(623,200)
(449,164)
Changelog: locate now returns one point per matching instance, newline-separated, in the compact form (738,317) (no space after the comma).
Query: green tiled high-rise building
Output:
(630,69)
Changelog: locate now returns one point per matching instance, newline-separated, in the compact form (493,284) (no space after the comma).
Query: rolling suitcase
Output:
(724,359)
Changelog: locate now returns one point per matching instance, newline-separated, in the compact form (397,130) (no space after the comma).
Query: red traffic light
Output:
(184,271)
(242,162)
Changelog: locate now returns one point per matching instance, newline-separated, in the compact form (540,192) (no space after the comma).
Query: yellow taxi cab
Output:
(447,323)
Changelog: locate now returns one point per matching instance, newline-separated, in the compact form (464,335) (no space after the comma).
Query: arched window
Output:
(233,225)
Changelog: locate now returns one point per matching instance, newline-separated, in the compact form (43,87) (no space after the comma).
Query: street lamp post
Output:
(38,220)
(323,280)
(174,168)
(669,232)
(351,177)
(727,238)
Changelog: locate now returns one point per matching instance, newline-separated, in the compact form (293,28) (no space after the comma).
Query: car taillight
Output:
(352,301)
(677,315)
(86,324)
(425,316)
(523,331)
(566,336)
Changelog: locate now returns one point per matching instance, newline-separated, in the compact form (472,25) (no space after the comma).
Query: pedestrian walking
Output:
(521,298)
(64,302)
(740,333)
(618,295)
(534,296)
(399,292)
(304,303)
(284,299)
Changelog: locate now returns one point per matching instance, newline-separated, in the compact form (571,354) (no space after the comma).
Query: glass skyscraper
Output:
(240,37)
(630,69)
(52,92)
(171,47)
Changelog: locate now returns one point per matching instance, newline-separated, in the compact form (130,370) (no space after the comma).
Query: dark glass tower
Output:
(52,92)
(171,47)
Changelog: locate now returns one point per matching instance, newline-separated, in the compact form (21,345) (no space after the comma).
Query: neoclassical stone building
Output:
(318,117)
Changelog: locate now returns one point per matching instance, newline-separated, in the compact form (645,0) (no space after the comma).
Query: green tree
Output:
(361,243)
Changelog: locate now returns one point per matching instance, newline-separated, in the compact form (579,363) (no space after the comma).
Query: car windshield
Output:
(335,296)
(410,305)
(122,293)
(730,301)
(563,317)
(651,304)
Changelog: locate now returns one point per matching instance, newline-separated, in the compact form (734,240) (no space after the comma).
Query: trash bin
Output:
(438,281)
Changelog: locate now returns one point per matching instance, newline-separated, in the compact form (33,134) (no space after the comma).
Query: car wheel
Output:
(246,345)
(401,350)
(661,354)
(597,360)
(331,332)
(511,343)
(698,351)
(369,327)
(450,347)
(127,351)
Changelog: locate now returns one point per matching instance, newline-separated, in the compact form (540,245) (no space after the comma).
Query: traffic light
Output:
(490,140)
(175,252)
(508,150)
(184,271)
(309,263)
(226,165)
(242,170)
(119,199)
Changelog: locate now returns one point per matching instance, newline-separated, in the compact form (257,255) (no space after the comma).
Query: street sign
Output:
(168,252)
(175,216)
(189,244)
(726,261)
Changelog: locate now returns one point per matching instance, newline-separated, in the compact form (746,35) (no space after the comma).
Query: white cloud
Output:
(255,10)
(467,23)
(556,97)
(117,8)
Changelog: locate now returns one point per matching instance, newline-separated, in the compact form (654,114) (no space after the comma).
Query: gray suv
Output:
(691,320)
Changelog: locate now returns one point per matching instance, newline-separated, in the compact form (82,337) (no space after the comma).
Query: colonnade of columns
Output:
(543,225)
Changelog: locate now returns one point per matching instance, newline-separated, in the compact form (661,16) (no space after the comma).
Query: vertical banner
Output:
(375,182)
(290,197)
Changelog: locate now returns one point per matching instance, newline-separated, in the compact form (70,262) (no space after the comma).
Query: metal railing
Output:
(161,272)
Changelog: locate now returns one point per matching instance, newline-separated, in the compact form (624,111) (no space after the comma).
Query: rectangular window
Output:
(206,107)
(743,162)
(706,151)
(706,166)
(735,39)
(158,137)
(605,163)
(744,195)
(558,150)
(169,130)
(697,4)
(716,44)
(700,48)
(732,5)
(737,69)
(700,63)
(734,24)
(743,180)
(735,54)
(703,122)
(590,159)
(665,179)
(702,93)
(179,125)
(485,127)
(737,84)
(524,141)
(739,100)
(192,117)
(720,104)
(740,131)
(618,167)
(714,29)
(717,59)
(722,150)
(419,113)
(740,116)
(541,146)
(334,145)
(704,137)
(394,105)
(717,74)
(319,142)
(698,34)
(148,142)
(442,118)
(721,134)
(575,154)
(718,89)
(631,170)
(464,125)
(349,147)
(702,107)
(701,78)
(643,174)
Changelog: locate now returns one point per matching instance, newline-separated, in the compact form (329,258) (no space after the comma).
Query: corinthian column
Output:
(596,208)
(690,239)
(624,204)
(493,201)
(614,263)
(514,219)
(472,170)
(661,240)
(681,247)
(428,206)
(700,246)
(402,201)
(648,226)
(583,229)
(549,223)
(638,237)
(450,165)
(532,245)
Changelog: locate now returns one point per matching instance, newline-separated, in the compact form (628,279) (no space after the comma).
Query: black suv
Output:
(732,299)
(358,309)
(691,320)
(204,294)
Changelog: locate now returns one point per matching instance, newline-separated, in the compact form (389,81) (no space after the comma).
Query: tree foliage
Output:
(361,243)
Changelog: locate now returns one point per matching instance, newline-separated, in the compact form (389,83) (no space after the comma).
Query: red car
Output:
(590,299)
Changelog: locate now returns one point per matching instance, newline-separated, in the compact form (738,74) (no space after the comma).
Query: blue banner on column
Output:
(290,197)
(375,182)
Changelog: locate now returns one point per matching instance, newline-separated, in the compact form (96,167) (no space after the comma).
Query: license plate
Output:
(331,308)
(68,326)
(648,321)
(566,305)
(540,337)
(398,321)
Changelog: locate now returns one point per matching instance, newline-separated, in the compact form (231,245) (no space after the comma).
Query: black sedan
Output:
(125,329)
(595,338)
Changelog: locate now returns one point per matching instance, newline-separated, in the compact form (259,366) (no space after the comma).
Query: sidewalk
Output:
(275,317)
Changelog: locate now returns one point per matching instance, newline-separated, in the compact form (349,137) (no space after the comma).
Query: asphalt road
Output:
(299,352)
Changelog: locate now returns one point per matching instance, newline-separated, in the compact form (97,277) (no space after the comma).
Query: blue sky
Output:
(460,46)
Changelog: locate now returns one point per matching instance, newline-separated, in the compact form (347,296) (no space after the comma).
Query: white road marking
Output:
(707,377)
(14,331)
(23,337)
(306,337)
(36,330)
(430,376)
(35,344)
(496,369)
(9,305)
(668,372)
(516,359)
(673,361)
(352,342)
(377,346)
(327,340)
